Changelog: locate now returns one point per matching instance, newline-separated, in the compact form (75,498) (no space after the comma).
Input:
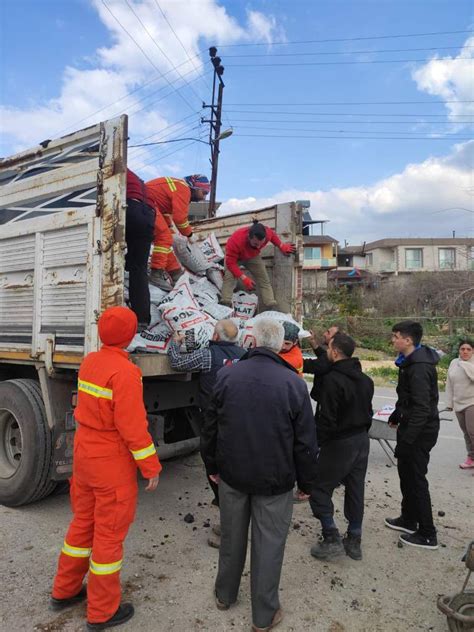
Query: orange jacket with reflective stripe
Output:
(172,196)
(110,412)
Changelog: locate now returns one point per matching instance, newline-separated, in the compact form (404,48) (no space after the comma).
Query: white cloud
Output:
(116,69)
(451,78)
(404,204)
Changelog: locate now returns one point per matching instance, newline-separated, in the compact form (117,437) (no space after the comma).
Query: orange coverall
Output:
(111,441)
(171,198)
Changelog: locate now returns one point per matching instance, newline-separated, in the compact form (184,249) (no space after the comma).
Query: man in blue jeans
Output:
(416,416)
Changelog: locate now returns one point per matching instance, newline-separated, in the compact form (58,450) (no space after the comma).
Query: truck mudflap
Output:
(63,448)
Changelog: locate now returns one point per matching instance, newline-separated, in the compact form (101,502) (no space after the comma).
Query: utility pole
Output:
(215,122)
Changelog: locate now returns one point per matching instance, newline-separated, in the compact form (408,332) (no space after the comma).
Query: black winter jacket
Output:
(416,410)
(318,367)
(344,395)
(258,432)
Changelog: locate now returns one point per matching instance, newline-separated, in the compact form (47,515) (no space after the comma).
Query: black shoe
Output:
(124,613)
(329,547)
(61,604)
(400,524)
(351,545)
(422,542)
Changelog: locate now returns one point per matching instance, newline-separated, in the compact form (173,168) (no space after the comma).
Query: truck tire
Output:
(25,444)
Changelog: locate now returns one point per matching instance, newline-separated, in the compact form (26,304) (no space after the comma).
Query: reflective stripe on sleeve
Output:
(162,249)
(138,455)
(75,551)
(105,569)
(185,225)
(94,389)
(171,184)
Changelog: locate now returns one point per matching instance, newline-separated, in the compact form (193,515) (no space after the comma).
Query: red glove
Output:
(248,283)
(288,249)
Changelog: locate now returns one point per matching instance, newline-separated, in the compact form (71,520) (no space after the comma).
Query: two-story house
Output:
(421,254)
(320,256)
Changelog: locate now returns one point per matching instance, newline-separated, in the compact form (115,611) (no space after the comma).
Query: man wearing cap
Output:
(111,442)
(244,248)
(291,351)
(171,198)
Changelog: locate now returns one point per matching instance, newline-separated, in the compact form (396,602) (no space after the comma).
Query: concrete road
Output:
(169,569)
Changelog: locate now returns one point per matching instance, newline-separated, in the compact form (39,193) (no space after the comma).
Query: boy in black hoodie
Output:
(343,418)
(416,416)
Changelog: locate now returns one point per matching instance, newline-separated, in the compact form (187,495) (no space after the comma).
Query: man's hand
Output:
(288,249)
(215,478)
(178,337)
(248,283)
(313,341)
(152,483)
(392,424)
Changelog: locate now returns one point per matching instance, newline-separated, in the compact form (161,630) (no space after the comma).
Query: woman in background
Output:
(460,396)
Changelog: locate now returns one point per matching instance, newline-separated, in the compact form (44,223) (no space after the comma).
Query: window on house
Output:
(312,253)
(447,258)
(413,258)
(369,257)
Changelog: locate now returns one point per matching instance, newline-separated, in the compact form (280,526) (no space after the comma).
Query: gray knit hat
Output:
(291,331)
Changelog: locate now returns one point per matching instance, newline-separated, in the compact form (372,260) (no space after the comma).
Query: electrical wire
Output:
(343,63)
(351,122)
(351,103)
(350,52)
(339,131)
(346,39)
(348,137)
(159,48)
(404,114)
(145,54)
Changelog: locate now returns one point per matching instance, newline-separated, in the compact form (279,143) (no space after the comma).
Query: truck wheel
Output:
(25,444)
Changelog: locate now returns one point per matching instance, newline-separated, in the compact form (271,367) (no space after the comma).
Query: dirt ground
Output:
(169,569)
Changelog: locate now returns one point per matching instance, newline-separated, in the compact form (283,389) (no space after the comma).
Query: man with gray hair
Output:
(258,437)
(223,350)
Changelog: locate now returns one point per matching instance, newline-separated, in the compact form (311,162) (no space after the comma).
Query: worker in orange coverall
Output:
(111,441)
(171,198)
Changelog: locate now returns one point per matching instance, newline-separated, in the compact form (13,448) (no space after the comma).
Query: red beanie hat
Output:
(117,326)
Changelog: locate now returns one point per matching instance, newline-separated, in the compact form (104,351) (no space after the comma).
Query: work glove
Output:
(192,238)
(248,283)
(288,249)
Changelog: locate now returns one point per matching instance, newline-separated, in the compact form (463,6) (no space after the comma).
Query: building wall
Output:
(396,259)
(326,260)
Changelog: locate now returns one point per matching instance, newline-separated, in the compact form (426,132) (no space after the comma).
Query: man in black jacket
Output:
(319,365)
(343,418)
(417,418)
(258,438)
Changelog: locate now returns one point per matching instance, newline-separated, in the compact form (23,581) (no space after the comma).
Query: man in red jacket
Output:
(244,247)
(171,198)
(111,442)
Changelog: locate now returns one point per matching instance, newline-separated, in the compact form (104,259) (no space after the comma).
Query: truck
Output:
(62,246)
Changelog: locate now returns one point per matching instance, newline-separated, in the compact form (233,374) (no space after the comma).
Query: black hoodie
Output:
(416,410)
(344,397)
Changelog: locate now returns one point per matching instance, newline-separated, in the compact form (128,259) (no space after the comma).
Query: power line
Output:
(348,137)
(144,53)
(346,39)
(342,113)
(350,103)
(338,131)
(165,17)
(126,96)
(358,122)
(344,63)
(159,47)
(162,157)
(349,52)
(178,129)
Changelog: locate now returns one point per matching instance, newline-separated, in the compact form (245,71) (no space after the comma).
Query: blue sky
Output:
(387,169)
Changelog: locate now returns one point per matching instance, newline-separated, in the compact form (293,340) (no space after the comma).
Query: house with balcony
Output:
(320,256)
(391,257)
